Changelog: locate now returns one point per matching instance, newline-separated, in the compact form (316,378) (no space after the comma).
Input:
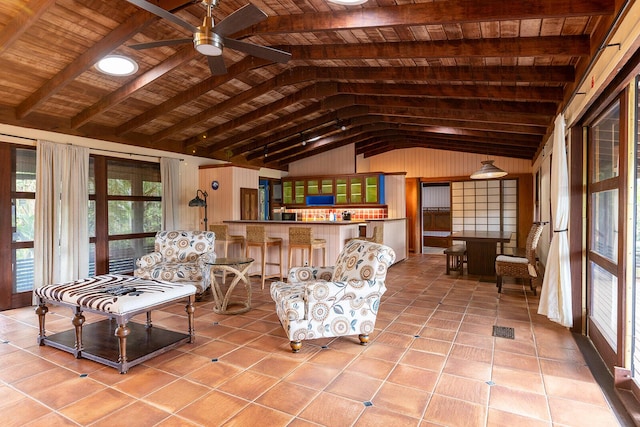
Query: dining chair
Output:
(521,267)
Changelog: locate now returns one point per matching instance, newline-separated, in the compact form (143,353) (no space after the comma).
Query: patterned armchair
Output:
(179,257)
(319,302)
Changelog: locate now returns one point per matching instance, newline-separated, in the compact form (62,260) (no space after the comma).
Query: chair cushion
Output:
(455,250)
(513,259)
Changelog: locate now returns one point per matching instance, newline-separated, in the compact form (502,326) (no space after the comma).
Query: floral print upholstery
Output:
(319,302)
(180,256)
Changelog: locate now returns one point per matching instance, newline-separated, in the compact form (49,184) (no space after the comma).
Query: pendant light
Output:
(488,171)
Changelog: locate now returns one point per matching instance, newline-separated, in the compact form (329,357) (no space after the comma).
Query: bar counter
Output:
(334,232)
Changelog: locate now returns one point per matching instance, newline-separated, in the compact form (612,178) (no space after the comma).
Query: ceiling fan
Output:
(210,40)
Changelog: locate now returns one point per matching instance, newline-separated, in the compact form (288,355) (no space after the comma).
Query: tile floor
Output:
(432,362)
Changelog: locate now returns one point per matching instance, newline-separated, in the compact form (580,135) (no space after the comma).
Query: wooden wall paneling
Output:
(340,161)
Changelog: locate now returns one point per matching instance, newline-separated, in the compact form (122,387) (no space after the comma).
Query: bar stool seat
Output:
(257,237)
(302,238)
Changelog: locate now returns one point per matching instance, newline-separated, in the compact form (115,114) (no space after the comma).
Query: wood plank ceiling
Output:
(473,76)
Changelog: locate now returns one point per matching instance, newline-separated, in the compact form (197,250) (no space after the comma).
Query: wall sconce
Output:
(488,171)
(198,202)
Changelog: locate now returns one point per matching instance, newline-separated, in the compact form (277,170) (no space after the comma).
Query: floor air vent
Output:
(503,332)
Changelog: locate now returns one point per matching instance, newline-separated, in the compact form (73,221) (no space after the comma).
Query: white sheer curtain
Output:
(170,177)
(61,241)
(555,298)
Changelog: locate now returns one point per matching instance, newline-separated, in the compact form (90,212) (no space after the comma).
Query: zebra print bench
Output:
(119,298)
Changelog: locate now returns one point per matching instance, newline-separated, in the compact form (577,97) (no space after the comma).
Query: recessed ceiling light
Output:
(348,2)
(116,65)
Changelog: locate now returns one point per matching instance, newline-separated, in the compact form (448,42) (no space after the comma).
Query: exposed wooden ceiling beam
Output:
(567,46)
(433,13)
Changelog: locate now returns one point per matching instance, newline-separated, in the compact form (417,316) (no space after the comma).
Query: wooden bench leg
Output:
(190,309)
(78,321)
(41,311)
(122,331)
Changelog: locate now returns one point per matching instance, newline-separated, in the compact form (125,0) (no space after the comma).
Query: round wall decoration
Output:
(215,185)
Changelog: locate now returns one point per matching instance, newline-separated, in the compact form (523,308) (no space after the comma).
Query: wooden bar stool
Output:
(223,236)
(302,238)
(257,237)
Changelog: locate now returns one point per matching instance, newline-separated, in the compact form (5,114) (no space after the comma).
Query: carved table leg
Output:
(41,311)
(122,331)
(149,319)
(78,321)
(190,309)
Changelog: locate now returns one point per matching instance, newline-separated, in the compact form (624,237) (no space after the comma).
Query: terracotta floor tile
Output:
(571,412)
(431,361)
(431,346)
(128,416)
(371,367)
(519,402)
(400,399)
(518,379)
(66,392)
(507,419)
(470,390)
(52,419)
(213,409)
(266,416)
(315,377)
(146,380)
(244,357)
(96,406)
(374,416)
(468,369)
(516,361)
(287,397)
(332,358)
(453,412)
(248,385)
(354,386)
(213,374)
(176,395)
(580,391)
(184,364)
(342,411)
(414,377)
(22,411)
(276,366)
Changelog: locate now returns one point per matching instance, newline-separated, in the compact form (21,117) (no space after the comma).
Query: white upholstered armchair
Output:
(319,302)
(179,257)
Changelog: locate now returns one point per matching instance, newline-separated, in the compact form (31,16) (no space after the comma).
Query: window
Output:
(125,209)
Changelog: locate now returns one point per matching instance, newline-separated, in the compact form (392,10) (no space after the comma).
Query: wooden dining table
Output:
(481,249)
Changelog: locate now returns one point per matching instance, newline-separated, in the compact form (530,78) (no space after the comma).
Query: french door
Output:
(605,219)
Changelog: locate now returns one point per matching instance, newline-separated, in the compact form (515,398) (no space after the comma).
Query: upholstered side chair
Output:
(180,257)
(342,300)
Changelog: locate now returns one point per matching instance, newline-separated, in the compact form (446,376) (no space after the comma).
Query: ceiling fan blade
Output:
(216,64)
(149,7)
(242,18)
(159,43)
(264,52)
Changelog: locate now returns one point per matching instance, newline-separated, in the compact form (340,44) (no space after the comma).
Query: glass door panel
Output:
(371,195)
(355,190)
(605,324)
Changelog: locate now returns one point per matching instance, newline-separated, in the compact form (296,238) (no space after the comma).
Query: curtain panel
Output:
(61,241)
(170,177)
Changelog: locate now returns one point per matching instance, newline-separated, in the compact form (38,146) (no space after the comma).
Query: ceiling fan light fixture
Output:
(488,171)
(117,65)
(207,43)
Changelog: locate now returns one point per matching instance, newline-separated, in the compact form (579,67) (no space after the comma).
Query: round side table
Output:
(238,267)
